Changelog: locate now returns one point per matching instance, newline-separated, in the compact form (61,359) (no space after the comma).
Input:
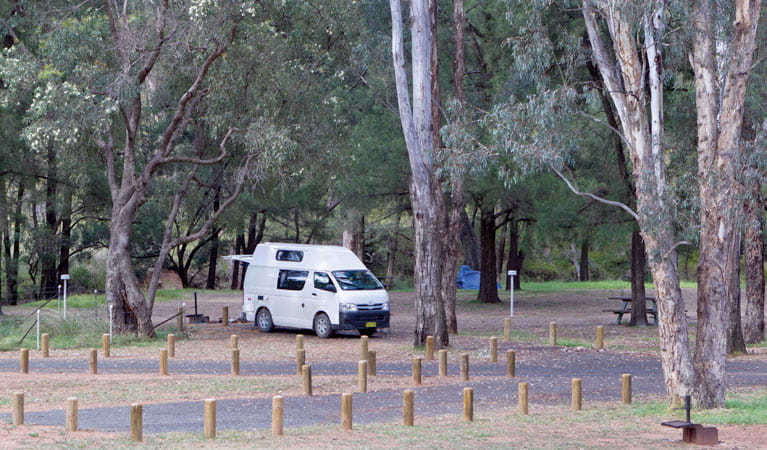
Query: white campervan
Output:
(319,287)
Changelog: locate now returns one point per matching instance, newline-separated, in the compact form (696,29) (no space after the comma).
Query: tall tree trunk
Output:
(392,247)
(354,235)
(719,120)
(470,243)
(638,264)
(425,191)
(735,340)
(753,317)
(516,256)
(239,245)
(488,288)
(12,247)
(48,251)
(66,230)
(584,275)
(213,259)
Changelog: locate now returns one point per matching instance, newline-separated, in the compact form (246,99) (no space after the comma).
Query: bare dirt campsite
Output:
(201,369)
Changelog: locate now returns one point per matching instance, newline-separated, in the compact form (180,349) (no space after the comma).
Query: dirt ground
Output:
(576,314)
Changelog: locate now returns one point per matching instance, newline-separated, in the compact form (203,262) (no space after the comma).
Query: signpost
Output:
(511,273)
(65,278)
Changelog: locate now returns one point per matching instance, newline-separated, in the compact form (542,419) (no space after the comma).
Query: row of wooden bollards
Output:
(408,409)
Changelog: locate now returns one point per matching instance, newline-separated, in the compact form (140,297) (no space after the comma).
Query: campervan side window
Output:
(322,281)
(292,280)
(290,255)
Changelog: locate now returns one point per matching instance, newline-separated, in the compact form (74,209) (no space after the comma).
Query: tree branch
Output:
(575,190)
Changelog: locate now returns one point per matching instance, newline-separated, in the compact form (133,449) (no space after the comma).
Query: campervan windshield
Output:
(356,280)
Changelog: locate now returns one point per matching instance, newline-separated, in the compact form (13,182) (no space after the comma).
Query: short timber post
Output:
(300,360)
(600,337)
(626,388)
(136,422)
(362,376)
(163,361)
(576,400)
(346,411)
(407,407)
(106,347)
(278,414)
(171,344)
(93,361)
(443,363)
(71,422)
(429,348)
(372,369)
(18,409)
(523,397)
(363,348)
(306,371)
(493,349)
(209,418)
(417,370)
(234,341)
(511,363)
(552,333)
(24,360)
(468,404)
(225,315)
(464,367)
(46,339)
(236,361)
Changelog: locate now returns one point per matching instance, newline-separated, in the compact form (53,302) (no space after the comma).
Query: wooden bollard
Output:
(417,370)
(180,319)
(136,422)
(278,414)
(299,342)
(71,423)
(576,401)
(18,409)
(464,367)
(523,395)
(443,363)
(468,404)
(106,347)
(93,361)
(209,418)
(234,341)
(600,337)
(408,411)
(552,333)
(225,315)
(511,364)
(363,348)
(24,360)
(362,376)
(236,361)
(493,349)
(163,361)
(626,388)
(171,344)
(45,345)
(429,348)
(507,329)
(346,411)
(306,372)
(372,369)
(300,360)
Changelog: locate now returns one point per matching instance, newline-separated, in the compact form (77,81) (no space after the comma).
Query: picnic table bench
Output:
(626,308)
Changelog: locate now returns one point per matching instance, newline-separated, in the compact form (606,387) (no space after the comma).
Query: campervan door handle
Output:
(314,294)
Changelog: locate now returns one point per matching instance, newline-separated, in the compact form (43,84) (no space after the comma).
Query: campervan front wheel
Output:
(264,320)
(322,326)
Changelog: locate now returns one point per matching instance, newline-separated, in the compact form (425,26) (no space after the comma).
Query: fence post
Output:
(105,345)
(18,409)
(306,370)
(93,361)
(464,367)
(362,376)
(429,348)
(407,407)
(363,348)
(346,411)
(468,404)
(209,413)
(163,361)
(443,363)
(236,361)
(576,401)
(278,413)
(136,422)
(417,370)
(71,423)
(493,349)
(300,360)
(523,397)
(171,344)
(511,363)
(600,337)
(24,360)
(552,333)
(45,338)
(225,315)
(626,388)
(372,369)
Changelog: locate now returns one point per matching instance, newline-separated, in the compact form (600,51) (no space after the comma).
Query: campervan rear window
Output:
(290,255)
(292,280)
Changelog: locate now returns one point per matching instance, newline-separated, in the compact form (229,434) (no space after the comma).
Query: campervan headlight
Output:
(347,307)
(385,306)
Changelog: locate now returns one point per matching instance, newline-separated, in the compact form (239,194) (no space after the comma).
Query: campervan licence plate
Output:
(370,324)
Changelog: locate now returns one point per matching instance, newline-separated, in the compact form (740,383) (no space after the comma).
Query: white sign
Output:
(511,273)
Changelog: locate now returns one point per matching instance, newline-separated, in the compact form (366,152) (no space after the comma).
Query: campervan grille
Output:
(373,307)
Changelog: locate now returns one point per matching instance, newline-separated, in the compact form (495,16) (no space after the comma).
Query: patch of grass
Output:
(572,343)
(603,285)
(741,408)
(74,332)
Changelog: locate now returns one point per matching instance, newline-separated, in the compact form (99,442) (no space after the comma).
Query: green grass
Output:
(74,332)
(604,285)
(741,408)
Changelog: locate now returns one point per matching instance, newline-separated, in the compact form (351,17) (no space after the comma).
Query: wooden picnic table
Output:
(626,308)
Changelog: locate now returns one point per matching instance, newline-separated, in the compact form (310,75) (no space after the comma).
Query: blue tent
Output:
(468,279)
